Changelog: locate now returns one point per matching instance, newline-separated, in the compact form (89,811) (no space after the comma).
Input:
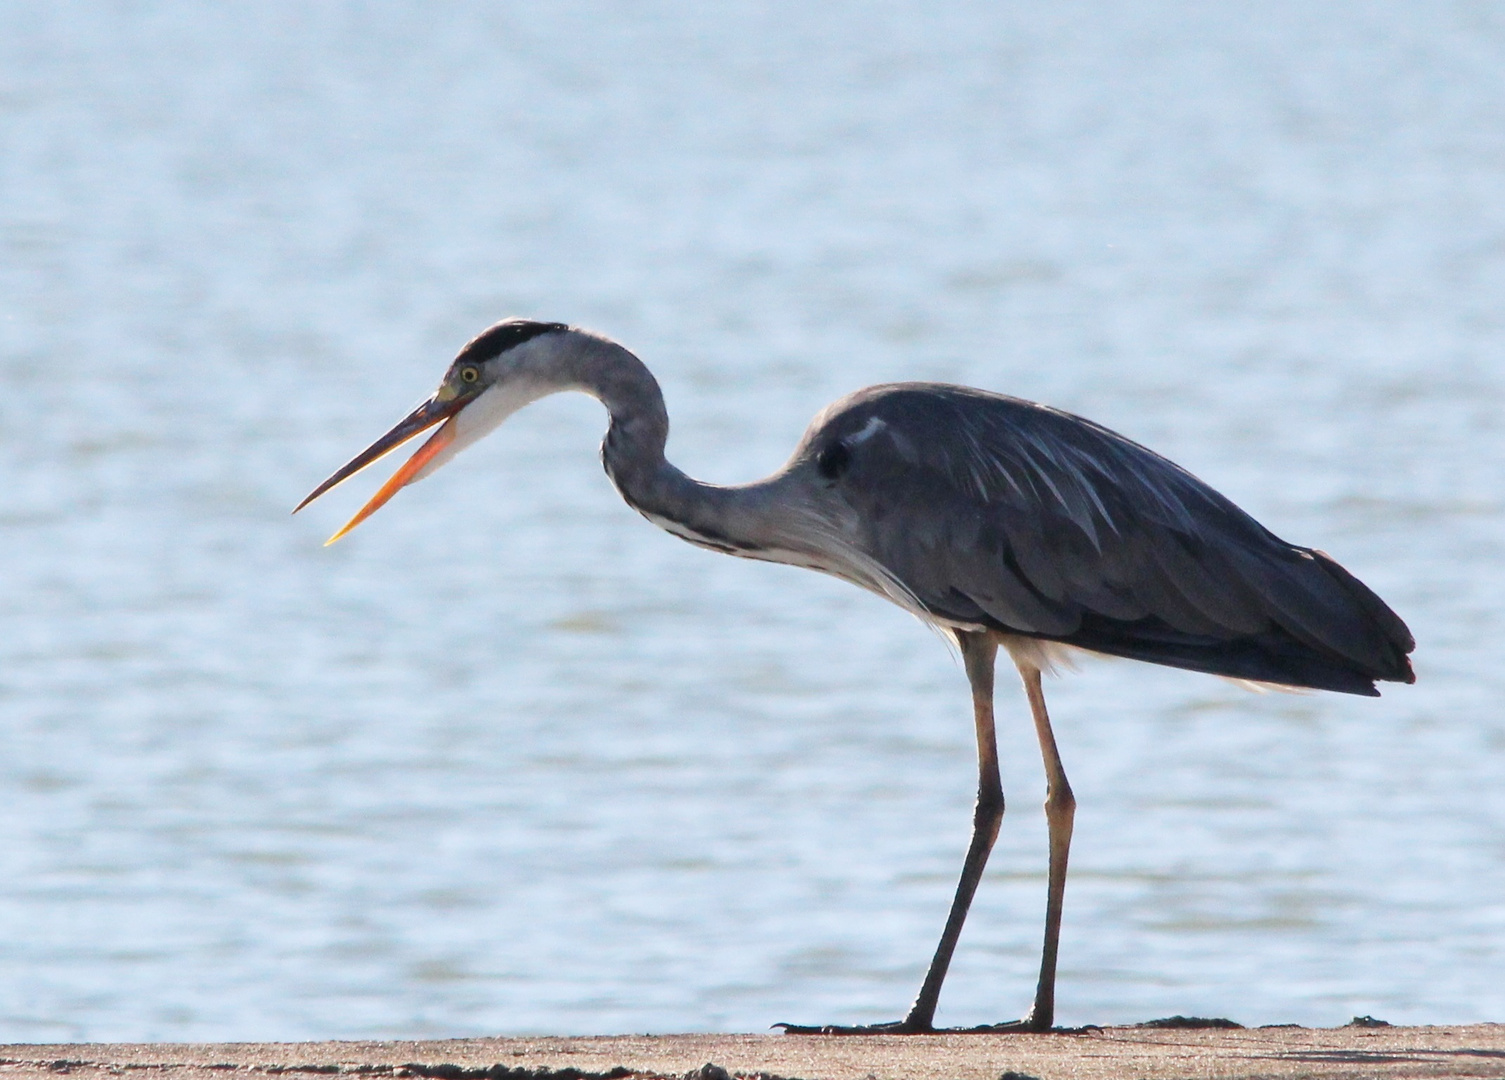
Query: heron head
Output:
(498,372)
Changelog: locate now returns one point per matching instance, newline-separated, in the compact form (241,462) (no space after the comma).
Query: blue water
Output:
(510,760)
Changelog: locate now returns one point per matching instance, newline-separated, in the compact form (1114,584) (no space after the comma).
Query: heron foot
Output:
(1010,1027)
(1027,1026)
(893,1027)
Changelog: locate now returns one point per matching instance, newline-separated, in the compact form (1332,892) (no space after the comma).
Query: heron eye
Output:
(469,374)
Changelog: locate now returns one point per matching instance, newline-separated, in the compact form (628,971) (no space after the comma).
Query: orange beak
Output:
(428,414)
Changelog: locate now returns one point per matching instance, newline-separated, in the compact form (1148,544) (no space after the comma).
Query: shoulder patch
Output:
(833,460)
(836,458)
(872,427)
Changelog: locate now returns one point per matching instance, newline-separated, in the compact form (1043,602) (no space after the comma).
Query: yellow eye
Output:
(469,374)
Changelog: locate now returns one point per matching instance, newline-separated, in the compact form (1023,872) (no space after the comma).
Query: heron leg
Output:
(979,650)
(1060,811)
(978,654)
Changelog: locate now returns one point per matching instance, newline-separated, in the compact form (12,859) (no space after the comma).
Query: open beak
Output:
(431,412)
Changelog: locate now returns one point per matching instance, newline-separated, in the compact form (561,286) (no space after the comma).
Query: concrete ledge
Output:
(1121,1053)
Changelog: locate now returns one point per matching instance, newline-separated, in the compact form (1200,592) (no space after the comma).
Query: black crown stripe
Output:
(507,334)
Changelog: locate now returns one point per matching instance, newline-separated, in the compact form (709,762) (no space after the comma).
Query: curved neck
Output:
(633,450)
(770,519)
(776,519)
(633,454)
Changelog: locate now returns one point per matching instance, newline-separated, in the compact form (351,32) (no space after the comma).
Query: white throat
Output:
(487,413)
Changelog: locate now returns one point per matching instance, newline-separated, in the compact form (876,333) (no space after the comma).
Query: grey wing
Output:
(999,512)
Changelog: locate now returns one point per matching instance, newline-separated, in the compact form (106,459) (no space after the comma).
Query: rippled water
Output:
(510,760)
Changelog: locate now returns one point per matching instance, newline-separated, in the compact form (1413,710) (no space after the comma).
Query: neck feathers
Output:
(633,452)
(743,520)
(639,428)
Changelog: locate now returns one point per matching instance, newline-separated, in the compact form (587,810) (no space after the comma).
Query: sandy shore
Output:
(1107,1053)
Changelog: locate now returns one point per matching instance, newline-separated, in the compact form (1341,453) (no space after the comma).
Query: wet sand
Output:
(1092,1054)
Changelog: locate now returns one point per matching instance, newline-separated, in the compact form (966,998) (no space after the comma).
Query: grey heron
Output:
(1000,521)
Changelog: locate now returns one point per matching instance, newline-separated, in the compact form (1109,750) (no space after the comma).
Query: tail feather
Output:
(1271,656)
(1393,664)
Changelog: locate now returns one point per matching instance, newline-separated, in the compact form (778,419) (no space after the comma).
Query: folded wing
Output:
(1001,512)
